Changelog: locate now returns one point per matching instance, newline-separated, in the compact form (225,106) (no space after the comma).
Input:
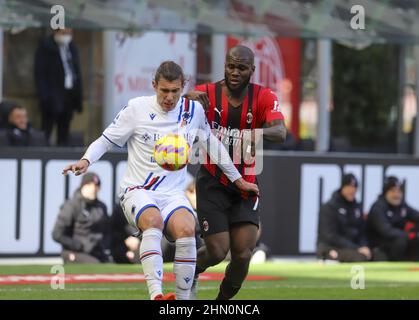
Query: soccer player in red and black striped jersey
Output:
(229,219)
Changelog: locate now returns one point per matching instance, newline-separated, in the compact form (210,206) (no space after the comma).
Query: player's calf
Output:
(152,260)
(184,266)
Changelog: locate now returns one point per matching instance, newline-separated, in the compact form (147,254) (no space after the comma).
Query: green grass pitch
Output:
(310,280)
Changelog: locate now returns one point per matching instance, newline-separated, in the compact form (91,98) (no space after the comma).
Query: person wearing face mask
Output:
(391,223)
(59,83)
(82,226)
(342,227)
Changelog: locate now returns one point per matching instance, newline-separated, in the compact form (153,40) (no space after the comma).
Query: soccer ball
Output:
(171,152)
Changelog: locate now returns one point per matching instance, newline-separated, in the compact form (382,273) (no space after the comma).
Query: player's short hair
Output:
(170,71)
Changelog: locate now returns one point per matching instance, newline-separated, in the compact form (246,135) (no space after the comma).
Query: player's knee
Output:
(185,231)
(151,221)
(217,255)
(242,256)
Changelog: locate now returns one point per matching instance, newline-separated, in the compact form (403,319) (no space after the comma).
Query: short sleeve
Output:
(269,107)
(122,127)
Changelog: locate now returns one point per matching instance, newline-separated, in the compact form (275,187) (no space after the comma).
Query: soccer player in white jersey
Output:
(152,198)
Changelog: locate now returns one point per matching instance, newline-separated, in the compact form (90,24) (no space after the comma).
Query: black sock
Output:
(198,270)
(227,290)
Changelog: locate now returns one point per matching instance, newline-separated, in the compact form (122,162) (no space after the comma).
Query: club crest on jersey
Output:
(185,116)
(152,116)
(249,118)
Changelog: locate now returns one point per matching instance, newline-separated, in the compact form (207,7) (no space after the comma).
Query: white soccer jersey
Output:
(140,124)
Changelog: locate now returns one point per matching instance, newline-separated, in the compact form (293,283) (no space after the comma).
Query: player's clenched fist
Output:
(77,168)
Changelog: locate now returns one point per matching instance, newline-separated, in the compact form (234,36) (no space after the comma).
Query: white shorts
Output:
(134,203)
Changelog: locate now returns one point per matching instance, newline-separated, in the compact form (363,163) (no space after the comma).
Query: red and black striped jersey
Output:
(260,106)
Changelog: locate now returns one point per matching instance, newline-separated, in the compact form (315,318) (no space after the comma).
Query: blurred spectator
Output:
(124,245)
(19,132)
(58,81)
(342,228)
(82,226)
(392,224)
(5,107)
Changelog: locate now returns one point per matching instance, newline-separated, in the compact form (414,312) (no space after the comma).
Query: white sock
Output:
(152,260)
(184,266)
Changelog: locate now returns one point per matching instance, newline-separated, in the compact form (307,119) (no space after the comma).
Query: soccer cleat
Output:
(168,296)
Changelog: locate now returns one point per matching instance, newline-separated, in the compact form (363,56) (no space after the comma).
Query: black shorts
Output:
(219,207)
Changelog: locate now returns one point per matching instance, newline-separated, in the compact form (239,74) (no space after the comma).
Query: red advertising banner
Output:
(278,63)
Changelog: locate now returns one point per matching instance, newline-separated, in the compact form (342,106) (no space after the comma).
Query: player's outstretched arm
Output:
(220,156)
(93,153)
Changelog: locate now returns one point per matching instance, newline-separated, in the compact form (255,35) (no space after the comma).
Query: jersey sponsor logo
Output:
(229,136)
(152,116)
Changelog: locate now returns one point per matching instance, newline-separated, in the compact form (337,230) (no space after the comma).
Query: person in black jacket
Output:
(342,228)
(19,132)
(388,220)
(59,83)
(82,226)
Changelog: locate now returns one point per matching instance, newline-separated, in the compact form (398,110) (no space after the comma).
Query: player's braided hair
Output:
(170,71)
